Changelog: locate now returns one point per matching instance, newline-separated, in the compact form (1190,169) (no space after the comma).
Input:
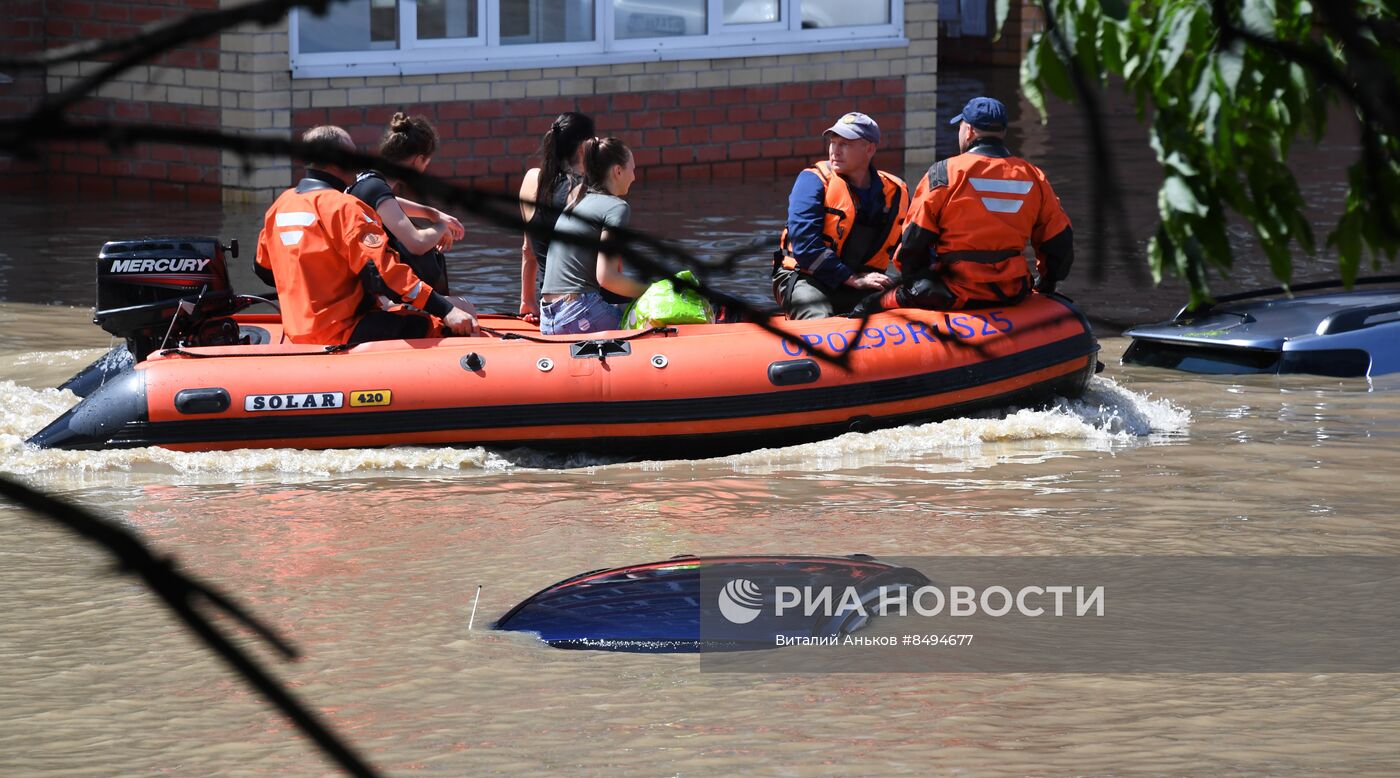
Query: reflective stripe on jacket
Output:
(971,218)
(841,206)
(319,244)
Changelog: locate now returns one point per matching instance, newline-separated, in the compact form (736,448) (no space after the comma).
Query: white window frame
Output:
(485,52)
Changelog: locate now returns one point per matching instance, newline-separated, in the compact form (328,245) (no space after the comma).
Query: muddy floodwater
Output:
(370,560)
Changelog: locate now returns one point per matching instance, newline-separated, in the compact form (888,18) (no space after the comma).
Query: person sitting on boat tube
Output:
(321,248)
(970,221)
(843,225)
(560,170)
(574,276)
(411,142)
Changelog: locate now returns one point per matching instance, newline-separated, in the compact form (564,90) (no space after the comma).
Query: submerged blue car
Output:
(1347,333)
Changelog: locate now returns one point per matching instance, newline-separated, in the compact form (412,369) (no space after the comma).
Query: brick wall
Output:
(73,21)
(754,117)
(22,29)
(161,172)
(722,133)
(178,88)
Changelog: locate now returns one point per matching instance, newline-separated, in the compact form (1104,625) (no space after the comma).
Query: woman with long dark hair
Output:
(560,171)
(574,276)
(411,142)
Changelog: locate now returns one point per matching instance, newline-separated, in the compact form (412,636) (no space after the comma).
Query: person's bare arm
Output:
(455,230)
(529,275)
(529,263)
(418,240)
(611,277)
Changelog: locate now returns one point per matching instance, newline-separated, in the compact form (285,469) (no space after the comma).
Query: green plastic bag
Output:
(662,303)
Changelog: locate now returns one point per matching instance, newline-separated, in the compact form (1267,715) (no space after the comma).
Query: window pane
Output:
(438,19)
(844,13)
(356,25)
(546,21)
(751,11)
(660,18)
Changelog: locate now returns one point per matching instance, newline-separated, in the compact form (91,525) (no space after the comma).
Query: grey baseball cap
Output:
(855,126)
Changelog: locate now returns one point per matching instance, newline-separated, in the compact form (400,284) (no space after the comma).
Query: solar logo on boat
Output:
(300,401)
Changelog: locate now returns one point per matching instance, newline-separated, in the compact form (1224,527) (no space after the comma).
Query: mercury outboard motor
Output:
(165,292)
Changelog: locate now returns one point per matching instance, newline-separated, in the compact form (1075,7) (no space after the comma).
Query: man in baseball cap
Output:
(971,218)
(983,113)
(855,126)
(843,225)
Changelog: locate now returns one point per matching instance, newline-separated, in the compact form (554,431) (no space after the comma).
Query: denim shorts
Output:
(586,313)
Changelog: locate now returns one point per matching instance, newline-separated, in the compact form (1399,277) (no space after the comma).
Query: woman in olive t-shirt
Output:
(571,299)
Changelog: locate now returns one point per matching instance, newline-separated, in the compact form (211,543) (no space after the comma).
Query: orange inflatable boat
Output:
(678,391)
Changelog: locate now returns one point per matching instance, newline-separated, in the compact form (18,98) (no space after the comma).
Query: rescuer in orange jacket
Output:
(844,223)
(329,258)
(972,215)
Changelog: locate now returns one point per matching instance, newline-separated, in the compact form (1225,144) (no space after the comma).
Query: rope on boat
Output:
(344,347)
(658,330)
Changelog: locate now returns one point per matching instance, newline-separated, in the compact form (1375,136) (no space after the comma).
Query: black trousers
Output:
(383,325)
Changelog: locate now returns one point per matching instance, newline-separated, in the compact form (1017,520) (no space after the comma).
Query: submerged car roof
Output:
(1338,333)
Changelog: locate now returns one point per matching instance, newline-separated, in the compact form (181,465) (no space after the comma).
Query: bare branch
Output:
(1106,193)
(157,37)
(179,593)
(160,38)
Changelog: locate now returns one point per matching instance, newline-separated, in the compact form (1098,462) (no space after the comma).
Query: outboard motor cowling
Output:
(161,291)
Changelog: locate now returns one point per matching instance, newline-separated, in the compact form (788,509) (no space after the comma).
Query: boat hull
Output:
(697,390)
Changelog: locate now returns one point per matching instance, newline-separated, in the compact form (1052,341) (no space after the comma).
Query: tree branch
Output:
(179,592)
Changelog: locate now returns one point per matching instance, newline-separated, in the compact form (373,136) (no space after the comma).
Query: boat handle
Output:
(794,371)
(207,400)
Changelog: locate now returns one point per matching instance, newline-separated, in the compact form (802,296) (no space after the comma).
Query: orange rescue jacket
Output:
(319,244)
(841,216)
(969,222)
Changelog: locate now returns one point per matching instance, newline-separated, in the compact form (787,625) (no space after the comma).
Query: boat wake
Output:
(1105,418)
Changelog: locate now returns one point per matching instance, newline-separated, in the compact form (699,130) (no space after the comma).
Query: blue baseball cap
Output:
(855,126)
(984,113)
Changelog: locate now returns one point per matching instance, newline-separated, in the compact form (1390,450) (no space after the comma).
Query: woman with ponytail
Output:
(410,142)
(560,170)
(575,276)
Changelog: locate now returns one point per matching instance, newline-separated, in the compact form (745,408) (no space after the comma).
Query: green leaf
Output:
(1115,9)
(1053,73)
(1229,64)
(1110,49)
(1155,260)
(1178,163)
(1003,10)
(1030,77)
(1205,87)
(1211,121)
(1257,16)
(1215,244)
(1177,194)
(1178,35)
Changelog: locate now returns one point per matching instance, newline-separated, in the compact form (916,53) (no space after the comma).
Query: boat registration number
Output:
(955,326)
(300,401)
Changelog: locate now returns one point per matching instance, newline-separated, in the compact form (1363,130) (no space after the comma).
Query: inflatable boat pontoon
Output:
(678,391)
